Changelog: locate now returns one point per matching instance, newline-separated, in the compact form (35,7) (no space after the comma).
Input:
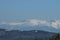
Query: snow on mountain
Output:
(32,24)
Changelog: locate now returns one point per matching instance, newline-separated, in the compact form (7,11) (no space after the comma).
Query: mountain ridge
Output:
(32,24)
(27,28)
(25,35)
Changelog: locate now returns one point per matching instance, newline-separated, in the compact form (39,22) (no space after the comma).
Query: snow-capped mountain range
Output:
(32,24)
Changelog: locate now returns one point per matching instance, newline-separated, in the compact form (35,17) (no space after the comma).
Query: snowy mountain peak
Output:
(35,22)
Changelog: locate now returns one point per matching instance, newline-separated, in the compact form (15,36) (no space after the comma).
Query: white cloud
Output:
(35,22)
(55,24)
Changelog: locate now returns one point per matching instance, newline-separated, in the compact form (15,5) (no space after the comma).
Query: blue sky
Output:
(16,10)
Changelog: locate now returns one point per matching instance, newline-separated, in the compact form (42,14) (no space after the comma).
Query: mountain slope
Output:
(32,24)
(25,35)
(44,28)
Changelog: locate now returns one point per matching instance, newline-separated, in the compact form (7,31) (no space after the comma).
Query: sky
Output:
(16,10)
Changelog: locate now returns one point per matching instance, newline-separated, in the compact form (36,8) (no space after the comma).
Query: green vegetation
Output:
(56,37)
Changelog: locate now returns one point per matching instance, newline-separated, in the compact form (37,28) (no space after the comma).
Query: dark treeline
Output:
(28,35)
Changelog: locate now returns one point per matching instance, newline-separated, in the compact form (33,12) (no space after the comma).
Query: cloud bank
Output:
(35,22)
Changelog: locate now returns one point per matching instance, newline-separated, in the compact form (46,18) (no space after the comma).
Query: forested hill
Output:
(25,35)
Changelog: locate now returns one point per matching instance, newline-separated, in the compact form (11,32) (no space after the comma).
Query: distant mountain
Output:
(25,35)
(27,28)
(33,24)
